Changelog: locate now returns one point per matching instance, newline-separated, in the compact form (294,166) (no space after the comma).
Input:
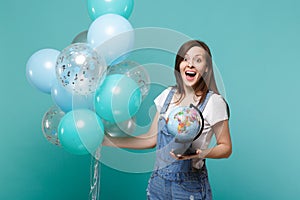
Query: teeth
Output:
(190,73)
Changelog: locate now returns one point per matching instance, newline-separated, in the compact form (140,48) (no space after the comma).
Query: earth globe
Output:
(186,124)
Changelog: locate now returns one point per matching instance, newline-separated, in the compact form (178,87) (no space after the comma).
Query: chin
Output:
(191,83)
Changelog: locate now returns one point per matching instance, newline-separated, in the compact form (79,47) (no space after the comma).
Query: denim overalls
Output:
(176,179)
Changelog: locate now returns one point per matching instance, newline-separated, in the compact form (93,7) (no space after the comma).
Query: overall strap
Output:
(167,101)
(203,104)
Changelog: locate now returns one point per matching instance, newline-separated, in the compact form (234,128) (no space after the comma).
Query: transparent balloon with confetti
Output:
(80,69)
(50,124)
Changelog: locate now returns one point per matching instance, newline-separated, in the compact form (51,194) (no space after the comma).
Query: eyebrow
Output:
(200,54)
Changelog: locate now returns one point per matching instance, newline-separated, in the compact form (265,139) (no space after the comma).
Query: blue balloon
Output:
(40,69)
(80,132)
(97,8)
(67,101)
(118,98)
(112,36)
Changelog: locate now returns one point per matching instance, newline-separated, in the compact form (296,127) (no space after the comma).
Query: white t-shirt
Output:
(214,112)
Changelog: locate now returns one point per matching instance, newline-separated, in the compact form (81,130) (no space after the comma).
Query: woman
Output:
(185,176)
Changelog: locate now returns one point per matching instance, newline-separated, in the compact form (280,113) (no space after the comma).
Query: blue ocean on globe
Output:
(184,123)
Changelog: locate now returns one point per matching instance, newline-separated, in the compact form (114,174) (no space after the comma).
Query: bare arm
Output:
(223,148)
(144,141)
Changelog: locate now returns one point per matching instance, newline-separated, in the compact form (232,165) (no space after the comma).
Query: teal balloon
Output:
(118,98)
(97,8)
(135,71)
(40,69)
(81,131)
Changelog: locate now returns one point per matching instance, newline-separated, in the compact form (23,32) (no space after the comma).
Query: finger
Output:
(198,151)
(173,155)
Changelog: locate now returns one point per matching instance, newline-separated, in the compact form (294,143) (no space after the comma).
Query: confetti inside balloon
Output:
(80,69)
(50,124)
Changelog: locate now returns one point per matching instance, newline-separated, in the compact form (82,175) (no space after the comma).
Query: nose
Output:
(190,64)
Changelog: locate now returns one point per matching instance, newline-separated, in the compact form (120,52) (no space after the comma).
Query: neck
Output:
(189,90)
(189,97)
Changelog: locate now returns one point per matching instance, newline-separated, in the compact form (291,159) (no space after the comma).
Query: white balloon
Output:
(112,36)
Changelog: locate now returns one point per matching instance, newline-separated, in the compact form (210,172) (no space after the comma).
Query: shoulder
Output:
(216,109)
(160,99)
(163,95)
(216,99)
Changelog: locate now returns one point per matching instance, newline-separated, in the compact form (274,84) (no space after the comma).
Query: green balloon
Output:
(81,131)
(97,8)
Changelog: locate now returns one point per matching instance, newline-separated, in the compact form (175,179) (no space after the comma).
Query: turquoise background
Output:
(255,45)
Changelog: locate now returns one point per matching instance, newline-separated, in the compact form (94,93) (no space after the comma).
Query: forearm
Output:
(139,142)
(219,151)
(223,148)
(144,141)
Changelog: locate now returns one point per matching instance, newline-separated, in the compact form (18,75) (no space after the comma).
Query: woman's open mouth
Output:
(190,75)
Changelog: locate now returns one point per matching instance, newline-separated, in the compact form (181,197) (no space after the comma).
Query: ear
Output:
(206,69)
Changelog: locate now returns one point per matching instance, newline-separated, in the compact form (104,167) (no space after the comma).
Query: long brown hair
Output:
(206,82)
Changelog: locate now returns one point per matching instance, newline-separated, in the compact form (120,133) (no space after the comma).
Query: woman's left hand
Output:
(186,157)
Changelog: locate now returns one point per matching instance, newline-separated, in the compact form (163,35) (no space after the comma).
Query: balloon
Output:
(40,69)
(112,36)
(121,129)
(135,71)
(68,101)
(80,131)
(80,38)
(97,8)
(50,123)
(118,98)
(80,69)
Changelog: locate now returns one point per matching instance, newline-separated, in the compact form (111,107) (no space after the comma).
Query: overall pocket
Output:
(194,185)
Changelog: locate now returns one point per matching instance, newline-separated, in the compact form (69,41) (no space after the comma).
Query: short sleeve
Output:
(160,99)
(216,109)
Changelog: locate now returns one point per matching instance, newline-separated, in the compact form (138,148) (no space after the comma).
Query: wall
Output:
(255,46)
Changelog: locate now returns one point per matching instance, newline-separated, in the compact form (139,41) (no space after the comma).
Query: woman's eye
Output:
(185,59)
(198,60)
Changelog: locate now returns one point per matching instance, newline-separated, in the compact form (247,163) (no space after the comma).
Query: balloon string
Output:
(95,175)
